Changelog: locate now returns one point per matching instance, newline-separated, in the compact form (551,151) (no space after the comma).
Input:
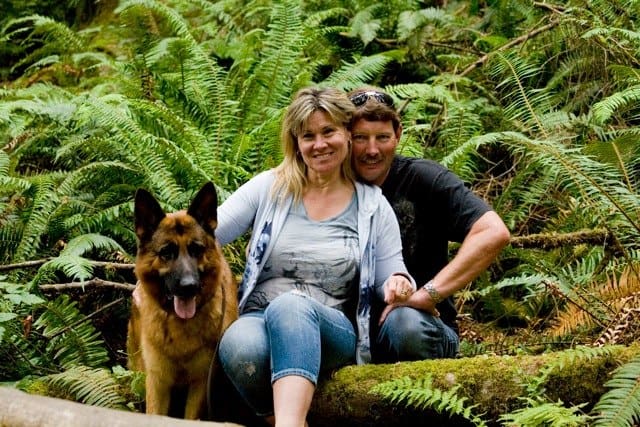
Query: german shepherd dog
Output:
(185,299)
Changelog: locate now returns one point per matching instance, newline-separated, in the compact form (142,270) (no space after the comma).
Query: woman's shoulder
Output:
(262,178)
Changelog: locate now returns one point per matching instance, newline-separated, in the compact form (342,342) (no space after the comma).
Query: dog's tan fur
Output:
(170,349)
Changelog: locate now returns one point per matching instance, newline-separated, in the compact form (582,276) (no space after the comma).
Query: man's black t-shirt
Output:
(433,207)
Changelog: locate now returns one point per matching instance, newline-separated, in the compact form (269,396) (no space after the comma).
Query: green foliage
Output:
(535,409)
(533,105)
(421,394)
(70,339)
(15,301)
(535,385)
(620,406)
(545,414)
(92,386)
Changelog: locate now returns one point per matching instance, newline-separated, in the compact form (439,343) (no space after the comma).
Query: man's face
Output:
(374,145)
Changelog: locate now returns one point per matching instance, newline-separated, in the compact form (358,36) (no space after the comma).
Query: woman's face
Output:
(323,144)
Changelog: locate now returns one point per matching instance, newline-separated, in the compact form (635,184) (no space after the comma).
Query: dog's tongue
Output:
(185,308)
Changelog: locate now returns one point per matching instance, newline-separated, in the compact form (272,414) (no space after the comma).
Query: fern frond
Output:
(54,37)
(597,185)
(91,386)
(410,21)
(546,414)
(44,201)
(420,394)
(73,266)
(281,55)
(522,102)
(139,147)
(606,108)
(70,260)
(536,384)
(71,339)
(362,70)
(186,72)
(620,406)
(365,25)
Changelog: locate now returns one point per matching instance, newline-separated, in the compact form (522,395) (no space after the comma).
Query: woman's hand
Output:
(397,289)
(419,299)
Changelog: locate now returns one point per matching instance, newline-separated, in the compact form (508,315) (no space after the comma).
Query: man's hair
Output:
(373,110)
(291,175)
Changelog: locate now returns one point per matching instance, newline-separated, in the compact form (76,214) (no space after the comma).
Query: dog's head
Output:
(173,248)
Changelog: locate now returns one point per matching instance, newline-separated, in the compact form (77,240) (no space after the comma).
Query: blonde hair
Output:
(291,177)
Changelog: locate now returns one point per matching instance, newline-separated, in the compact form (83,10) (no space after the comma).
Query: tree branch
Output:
(93,282)
(553,240)
(518,40)
(39,262)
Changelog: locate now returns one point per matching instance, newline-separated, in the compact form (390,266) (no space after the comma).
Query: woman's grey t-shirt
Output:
(317,258)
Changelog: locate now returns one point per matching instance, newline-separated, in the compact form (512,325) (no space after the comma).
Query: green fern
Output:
(91,386)
(350,76)
(70,260)
(71,340)
(522,102)
(546,414)
(54,37)
(620,406)
(365,25)
(625,99)
(536,384)
(421,394)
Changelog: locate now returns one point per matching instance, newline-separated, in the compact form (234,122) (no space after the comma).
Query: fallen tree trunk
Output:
(494,383)
(19,409)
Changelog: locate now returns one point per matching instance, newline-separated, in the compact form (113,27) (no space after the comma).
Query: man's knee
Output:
(409,334)
(404,323)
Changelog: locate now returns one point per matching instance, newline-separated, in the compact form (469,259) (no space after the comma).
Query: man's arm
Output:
(479,249)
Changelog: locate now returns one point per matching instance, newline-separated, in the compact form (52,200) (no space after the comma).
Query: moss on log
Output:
(494,383)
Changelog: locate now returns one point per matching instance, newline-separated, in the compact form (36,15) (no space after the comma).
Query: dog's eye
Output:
(168,252)
(196,249)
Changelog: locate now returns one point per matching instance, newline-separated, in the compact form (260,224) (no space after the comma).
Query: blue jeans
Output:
(410,334)
(294,335)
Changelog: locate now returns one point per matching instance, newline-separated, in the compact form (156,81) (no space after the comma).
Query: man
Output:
(433,207)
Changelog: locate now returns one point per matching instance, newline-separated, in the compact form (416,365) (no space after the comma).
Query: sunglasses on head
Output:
(360,98)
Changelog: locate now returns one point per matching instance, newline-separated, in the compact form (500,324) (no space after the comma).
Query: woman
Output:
(322,247)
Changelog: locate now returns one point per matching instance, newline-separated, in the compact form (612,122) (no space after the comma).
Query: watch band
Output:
(431,290)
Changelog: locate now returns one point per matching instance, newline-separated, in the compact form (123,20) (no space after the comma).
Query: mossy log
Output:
(493,383)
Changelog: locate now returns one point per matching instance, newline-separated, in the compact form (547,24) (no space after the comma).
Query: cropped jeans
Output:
(297,335)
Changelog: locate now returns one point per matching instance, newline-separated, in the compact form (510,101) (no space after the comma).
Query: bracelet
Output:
(435,296)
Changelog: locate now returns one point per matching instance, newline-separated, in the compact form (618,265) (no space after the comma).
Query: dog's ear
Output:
(148,214)
(204,208)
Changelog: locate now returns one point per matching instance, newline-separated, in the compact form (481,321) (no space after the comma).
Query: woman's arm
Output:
(392,278)
(237,214)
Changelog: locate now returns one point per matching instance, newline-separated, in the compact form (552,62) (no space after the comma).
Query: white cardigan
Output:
(252,206)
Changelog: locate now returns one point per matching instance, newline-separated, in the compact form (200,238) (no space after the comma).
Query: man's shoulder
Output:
(415,166)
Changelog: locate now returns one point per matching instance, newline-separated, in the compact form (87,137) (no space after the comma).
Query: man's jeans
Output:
(410,334)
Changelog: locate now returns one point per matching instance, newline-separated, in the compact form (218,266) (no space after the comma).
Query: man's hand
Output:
(419,300)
